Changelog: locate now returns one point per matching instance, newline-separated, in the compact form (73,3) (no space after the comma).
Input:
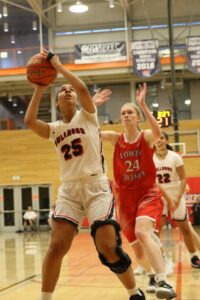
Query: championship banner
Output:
(100,52)
(146,62)
(193,53)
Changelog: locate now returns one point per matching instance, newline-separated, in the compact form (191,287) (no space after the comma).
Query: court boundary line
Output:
(17,283)
(179,270)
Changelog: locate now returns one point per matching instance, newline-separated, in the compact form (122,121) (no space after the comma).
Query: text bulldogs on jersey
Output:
(67,133)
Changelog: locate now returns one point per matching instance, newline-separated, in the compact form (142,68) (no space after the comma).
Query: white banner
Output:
(100,52)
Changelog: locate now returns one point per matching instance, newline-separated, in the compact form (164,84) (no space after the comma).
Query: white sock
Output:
(160,277)
(46,296)
(133,291)
(192,254)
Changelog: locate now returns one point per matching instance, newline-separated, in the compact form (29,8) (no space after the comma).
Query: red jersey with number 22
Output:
(133,163)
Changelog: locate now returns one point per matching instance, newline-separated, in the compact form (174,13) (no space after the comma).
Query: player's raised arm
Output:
(31,120)
(101,96)
(80,87)
(155,132)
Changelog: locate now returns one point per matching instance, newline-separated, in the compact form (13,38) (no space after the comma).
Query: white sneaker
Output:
(165,291)
(139,270)
(169,266)
(152,285)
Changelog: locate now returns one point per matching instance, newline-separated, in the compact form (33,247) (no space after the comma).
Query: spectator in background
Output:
(29,219)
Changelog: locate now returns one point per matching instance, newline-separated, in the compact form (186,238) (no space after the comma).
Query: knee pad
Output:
(98,224)
(124,260)
(119,266)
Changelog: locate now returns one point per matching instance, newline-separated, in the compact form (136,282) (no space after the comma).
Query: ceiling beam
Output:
(37,8)
(17,5)
(125,5)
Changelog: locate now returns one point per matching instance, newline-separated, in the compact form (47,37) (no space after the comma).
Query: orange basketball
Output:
(39,70)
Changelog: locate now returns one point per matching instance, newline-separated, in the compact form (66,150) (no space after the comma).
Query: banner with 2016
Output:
(193,53)
(146,62)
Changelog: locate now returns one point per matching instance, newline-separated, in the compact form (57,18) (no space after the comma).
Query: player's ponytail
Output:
(169,147)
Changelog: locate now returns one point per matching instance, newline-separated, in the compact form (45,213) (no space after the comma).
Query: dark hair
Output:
(165,135)
(169,147)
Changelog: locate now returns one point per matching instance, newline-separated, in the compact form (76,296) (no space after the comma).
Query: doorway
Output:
(14,201)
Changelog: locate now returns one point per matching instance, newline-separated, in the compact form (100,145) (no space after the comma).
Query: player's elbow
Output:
(28,122)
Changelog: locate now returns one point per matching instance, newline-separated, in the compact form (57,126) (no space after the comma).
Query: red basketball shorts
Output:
(134,204)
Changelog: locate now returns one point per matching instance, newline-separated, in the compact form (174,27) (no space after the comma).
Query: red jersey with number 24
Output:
(133,163)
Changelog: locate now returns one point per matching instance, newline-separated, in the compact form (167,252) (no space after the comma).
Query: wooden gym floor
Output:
(82,276)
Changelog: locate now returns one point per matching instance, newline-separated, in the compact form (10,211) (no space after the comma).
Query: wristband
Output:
(50,55)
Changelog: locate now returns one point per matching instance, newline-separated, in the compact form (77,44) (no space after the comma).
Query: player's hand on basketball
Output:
(53,58)
(55,61)
(141,94)
(101,97)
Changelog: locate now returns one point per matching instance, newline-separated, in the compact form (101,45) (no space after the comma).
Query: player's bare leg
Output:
(111,254)
(143,230)
(190,241)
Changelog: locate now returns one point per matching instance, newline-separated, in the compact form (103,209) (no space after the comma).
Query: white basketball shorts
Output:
(180,214)
(90,197)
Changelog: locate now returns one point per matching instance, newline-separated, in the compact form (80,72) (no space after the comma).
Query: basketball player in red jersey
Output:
(139,199)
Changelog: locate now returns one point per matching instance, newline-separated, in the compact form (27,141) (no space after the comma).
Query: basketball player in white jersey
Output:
(172,180)
(85,189)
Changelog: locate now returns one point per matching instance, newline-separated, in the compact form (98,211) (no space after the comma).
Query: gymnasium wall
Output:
(34,159)
(28,156)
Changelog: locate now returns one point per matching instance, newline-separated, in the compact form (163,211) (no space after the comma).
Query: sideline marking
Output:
(16,283)
(179,270)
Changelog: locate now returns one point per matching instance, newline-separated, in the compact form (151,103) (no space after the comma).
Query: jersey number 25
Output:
(73,149)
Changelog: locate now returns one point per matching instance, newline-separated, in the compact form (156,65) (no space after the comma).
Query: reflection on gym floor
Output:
(82,275)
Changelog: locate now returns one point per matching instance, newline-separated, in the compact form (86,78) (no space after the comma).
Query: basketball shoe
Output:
(164,290)
(139,270)
(139,296)
(195,262)
(152,285)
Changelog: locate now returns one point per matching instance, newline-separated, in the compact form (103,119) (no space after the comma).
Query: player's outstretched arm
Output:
(110,136)
(80,87)
(31,120)
(154,134)
(101,96)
